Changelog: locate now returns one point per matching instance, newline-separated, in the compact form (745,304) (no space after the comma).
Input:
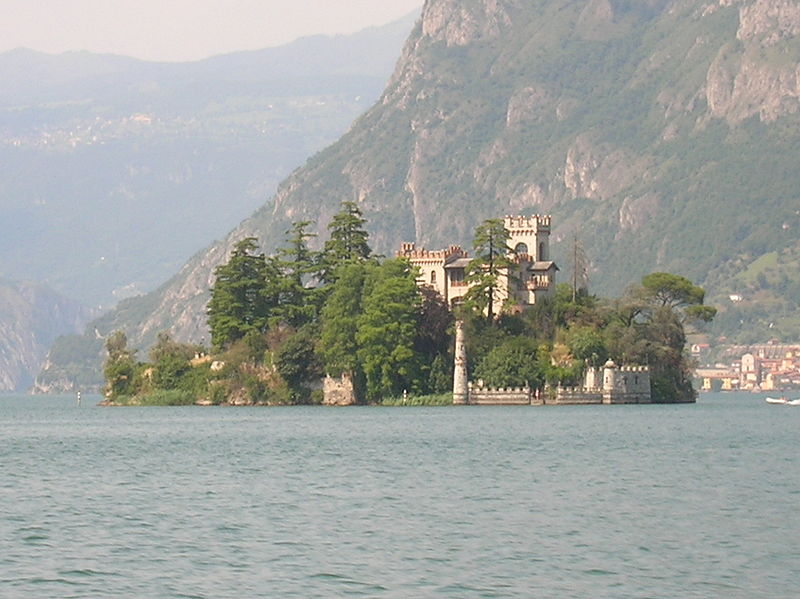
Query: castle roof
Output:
(458,263)
(543,265)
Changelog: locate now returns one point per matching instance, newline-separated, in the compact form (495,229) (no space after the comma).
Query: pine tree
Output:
(348,241)
(298,301)
(387,330)
(340,314)
(241,301)
(490,264)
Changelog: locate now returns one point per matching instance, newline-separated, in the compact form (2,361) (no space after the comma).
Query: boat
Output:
(784,401)
(779,400)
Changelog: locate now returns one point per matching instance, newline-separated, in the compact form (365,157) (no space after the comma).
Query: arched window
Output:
(433,277)
(542,253)
(521,249)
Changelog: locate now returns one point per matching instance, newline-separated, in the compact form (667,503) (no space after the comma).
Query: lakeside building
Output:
(761,367)
(530,278)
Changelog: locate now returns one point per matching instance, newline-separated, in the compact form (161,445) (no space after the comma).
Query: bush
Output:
(439,399)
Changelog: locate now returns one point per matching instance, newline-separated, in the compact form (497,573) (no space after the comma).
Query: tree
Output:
(348,242)
(580,269)
(170,361)
(513,363)
(650,329)
(486,269)
(340,314)
(240,300)
(387,329)
(435,322)
(120,367)
(586,343)
(296,264)
(297,363)
(678,294)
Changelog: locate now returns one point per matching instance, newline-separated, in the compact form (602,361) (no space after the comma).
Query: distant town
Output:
(760,367)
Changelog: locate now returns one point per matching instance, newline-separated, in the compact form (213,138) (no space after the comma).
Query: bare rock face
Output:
(529,105)
(459,23)
(31,317)
(763,79)
(635,212)
(338,391)
(599,172)
(769,20)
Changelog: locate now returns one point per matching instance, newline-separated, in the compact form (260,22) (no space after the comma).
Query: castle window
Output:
(521,249)
(433,277)
(542,253)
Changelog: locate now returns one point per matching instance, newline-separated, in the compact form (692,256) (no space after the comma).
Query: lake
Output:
(563,501)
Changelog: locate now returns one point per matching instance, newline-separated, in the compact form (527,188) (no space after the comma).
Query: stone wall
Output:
(512,396)
(577,396)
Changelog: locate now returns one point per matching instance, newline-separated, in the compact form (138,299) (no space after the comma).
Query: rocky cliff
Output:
(665,132)
(31,317)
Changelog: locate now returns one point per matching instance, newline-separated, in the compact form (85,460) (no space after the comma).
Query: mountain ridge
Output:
(650,129)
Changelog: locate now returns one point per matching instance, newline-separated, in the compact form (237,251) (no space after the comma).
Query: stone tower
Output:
(529,236)
(460,388)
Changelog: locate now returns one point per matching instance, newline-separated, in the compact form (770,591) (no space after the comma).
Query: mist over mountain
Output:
(32,316)
(664,133)
(113,171)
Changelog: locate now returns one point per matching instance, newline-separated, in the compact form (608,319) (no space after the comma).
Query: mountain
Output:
(32,316)
(664,133)
(113,171)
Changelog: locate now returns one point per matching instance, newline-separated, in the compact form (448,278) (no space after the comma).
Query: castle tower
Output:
(460,388)
(529,235)
(609,381)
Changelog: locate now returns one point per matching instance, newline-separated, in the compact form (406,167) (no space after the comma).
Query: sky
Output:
(181,30)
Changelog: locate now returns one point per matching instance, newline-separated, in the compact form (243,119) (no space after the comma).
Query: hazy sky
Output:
(182,29)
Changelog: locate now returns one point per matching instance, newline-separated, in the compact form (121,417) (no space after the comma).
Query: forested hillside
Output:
(663,133)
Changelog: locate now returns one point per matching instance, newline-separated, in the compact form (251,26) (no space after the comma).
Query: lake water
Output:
(574,501)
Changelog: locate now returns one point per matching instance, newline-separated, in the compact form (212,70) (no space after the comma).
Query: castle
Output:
(531,277)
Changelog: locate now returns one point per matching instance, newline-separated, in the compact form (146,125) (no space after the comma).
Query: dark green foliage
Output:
(588,345)
(239,299)
(484,270)
(348,241)
(296,268)
(513,363)
(170,361)
(387,329)
(120,367)
(340,315)
(296,361)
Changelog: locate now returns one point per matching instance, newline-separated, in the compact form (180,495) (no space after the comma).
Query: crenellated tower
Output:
(529,236)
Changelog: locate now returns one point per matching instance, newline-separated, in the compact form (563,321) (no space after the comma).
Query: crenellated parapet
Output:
(527,224)
(409,250)
(501,396)
(577,396)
